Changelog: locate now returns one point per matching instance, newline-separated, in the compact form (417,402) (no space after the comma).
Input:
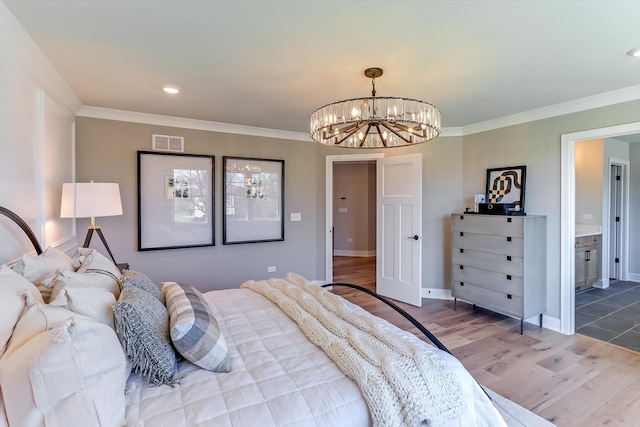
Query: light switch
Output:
(343,210)
(297,216)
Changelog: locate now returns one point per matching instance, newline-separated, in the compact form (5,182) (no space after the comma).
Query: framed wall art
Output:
(175,200)
(253,194)
(507,186)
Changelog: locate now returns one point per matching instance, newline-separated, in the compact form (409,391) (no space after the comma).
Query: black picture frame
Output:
(253,200)
(507,185)
(176,200)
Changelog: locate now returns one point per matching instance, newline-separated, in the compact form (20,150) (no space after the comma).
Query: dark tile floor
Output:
(611,314)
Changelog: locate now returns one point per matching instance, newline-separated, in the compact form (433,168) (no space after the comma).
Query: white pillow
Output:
(11,286)
(86,280)
(70,373)
(37,269)
(92,261)
(96,303)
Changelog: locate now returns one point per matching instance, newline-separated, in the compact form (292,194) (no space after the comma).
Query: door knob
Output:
(414,237)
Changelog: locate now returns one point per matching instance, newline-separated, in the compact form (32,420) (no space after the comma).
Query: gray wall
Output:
(106,151)
(537,145)
(589,180)
(354,191)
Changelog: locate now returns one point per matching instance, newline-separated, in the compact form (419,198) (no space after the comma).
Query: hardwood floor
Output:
(569,380)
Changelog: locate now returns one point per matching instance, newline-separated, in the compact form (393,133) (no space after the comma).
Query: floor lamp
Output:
(91,200)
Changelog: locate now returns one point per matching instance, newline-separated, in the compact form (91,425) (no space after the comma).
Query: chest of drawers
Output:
(498,262)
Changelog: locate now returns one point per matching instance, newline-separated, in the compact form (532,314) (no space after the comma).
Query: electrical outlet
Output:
(271,269)
(587,216)
(349,240)
(296,216)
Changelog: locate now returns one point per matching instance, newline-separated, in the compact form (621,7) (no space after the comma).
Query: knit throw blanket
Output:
(402,380)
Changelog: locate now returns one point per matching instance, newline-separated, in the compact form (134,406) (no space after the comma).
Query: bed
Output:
(277,352)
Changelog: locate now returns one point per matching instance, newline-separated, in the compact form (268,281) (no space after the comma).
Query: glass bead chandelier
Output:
(375,122)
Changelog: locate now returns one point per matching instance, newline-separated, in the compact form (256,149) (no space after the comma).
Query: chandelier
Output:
(375,122)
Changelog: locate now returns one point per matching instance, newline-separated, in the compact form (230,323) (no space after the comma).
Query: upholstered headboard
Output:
(24,226)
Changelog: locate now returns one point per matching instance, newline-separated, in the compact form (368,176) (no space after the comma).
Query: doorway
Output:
(354,223)
(567,219)
(398,205)
(329,201)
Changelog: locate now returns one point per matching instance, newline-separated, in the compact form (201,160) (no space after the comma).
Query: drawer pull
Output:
(508,277)
(508,257)
(461,251)
(461,217)
(461,234)
(509,296)
(509,239)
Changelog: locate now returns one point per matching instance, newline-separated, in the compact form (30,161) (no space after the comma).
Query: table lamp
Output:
(91,200)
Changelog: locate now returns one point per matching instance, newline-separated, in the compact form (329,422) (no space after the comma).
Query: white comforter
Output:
(278,378)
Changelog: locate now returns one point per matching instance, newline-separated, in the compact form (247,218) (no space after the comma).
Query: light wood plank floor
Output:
(569,380)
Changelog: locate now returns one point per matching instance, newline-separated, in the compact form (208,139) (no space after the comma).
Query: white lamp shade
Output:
(90,199)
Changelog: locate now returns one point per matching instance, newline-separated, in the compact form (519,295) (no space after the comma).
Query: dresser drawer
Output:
(488,279)
(489,224)
(501,245)
(496,301)
(506,264)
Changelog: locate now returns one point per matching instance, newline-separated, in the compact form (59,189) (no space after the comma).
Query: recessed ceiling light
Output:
(171,89)
(635,52)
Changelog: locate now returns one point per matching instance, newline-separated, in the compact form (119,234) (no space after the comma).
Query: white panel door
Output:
(399,228)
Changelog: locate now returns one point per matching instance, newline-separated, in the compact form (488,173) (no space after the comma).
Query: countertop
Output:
(588,230)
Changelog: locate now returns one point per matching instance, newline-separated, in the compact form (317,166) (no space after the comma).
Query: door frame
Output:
(329,162)
(567,214)
(623,244)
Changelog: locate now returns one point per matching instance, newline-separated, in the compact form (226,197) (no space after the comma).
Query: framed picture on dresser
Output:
(507,186)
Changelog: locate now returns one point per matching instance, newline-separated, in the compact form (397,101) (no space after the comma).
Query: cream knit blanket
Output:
(402,380)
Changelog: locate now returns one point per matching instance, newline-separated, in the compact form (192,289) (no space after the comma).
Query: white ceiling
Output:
(271,63)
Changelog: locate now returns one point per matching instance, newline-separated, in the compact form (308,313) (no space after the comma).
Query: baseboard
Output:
(548,322)
(338,252)
(633,277)
(433,293)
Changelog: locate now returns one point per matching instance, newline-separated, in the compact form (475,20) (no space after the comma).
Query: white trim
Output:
(434,293)
(633,277)
(630,93)
(339,252)
(457,131)
(329,161)
(179,122)
(548,322)
(567,214)
(40,178)
(619,96)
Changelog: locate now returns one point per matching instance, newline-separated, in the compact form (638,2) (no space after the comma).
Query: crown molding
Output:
(179,122)
(619,96)
(630,93)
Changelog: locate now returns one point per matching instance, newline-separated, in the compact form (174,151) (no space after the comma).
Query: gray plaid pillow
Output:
(195,332)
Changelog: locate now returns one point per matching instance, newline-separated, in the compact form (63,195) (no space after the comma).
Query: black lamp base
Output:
(87,240)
